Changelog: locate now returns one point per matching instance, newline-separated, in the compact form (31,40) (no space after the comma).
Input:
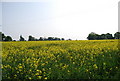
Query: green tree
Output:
(21,38)
(103,36)
(117,35)
(109,36)
(2,36)
(50,38)
(62,39)
(8,38)
(31,38)
(56,38)
(41,39)
(69,39)
(92,36)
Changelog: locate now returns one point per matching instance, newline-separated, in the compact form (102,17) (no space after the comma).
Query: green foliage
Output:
(117,35)
(21,38)
(94,36)
(5,38)
(41,39)
(31,38)
(2,36)
(8,38)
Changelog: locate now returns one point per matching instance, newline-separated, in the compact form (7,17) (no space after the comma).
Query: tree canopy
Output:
(117,35)
(5,38)
(94,36)
(21,38)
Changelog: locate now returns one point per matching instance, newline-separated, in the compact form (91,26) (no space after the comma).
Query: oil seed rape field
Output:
(84,59)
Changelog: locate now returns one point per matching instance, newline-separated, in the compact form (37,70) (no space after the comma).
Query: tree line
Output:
(94,36)
(30,38)
(91,36)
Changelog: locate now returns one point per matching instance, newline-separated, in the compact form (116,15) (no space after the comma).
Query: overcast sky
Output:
(73,19)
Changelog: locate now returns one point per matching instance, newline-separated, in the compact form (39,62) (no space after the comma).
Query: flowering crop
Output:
(93,59)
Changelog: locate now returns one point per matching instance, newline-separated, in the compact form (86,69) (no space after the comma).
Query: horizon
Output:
(54,37)
(59,18)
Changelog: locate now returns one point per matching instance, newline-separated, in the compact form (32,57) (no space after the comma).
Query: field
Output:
(84,59)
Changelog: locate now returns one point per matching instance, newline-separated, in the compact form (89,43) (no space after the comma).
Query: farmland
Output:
(84,59)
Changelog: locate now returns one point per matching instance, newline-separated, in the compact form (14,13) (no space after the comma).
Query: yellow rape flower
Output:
(45,78)
(95,66)
(20,67)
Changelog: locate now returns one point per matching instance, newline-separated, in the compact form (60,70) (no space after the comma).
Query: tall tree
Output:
(56,38)
(2,36)
(117,35)
(50,38)
(21,38)
(31,38)
(103,36)
(8,38)
(41,39)
(92,36)
(62,39)
(109,36)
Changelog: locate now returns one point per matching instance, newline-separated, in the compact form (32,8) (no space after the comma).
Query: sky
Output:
(73,19)
(0,16)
